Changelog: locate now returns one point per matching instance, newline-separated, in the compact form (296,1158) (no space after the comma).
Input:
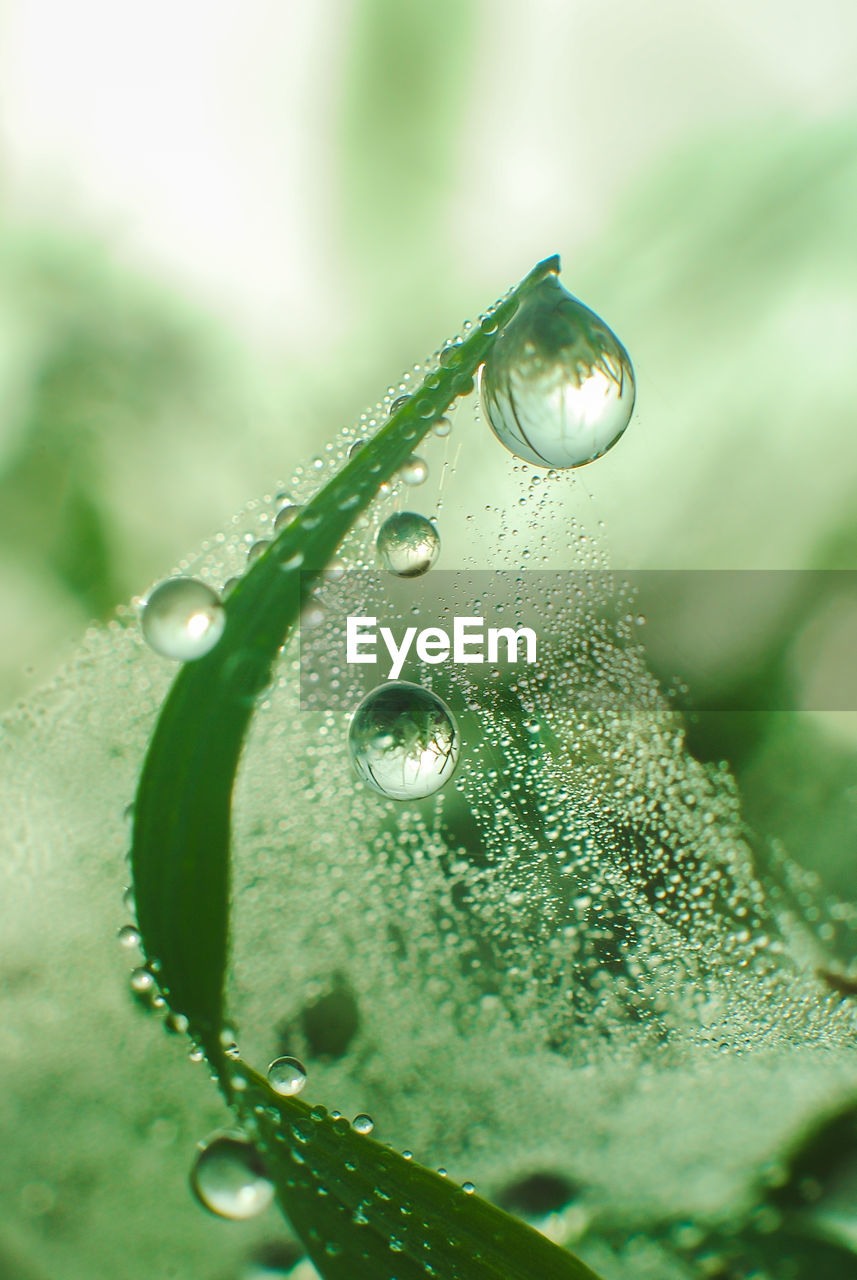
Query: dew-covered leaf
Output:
(364,1212)
(180,852)
(360,1210)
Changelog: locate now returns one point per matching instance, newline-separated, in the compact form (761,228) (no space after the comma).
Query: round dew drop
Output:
(407,544)
(287,1076)
(228,1177)
(363,1123)
(403,741)
(558,386)
(285,517)
(129,936)
(182,618)
(414,471)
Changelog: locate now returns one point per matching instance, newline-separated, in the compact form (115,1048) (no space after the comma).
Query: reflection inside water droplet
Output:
(182,618)
(408,544)
(403,741)
(287,1076)
(558,386)
(229,1179)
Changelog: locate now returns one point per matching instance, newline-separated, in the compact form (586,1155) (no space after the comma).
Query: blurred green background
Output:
(226,228)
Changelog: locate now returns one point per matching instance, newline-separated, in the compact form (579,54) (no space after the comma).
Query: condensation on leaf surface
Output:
(573,969)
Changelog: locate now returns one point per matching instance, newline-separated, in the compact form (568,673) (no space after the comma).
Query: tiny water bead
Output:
(558,386)
(363,1123)
(129,936)
(229,1179)
(408,544)
(403,741)
(182,618)
(141,981)
(414,471)
(287,1076)
(286,516)
(257,549)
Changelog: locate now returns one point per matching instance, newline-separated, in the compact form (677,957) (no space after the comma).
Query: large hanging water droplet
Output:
(182,618)
(558,386)
(287,1076)
(408,544)
(403,741)
(229,1179)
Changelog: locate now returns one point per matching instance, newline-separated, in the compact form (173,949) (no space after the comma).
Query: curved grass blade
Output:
(366,1213)
(180,847)
(361,1210)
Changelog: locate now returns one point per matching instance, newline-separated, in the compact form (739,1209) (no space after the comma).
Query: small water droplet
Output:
(182,618)
(558,386)
(397,404)
(141,981)
(312,615)
(287,1076)
(442,427)
(408,544)
(363,1123)
(356,447)
(293,562)
(414,471)
(258,549)
(286,516)
(403,741)
(468,1188)
(129,936)
(229,1179)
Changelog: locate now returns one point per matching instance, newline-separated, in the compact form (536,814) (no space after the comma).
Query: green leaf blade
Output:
(180,845)
(350,1197)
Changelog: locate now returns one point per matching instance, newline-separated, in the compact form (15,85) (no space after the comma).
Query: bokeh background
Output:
(226,228)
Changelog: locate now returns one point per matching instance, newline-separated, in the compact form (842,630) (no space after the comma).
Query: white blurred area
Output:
(201,138)
(224,148)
